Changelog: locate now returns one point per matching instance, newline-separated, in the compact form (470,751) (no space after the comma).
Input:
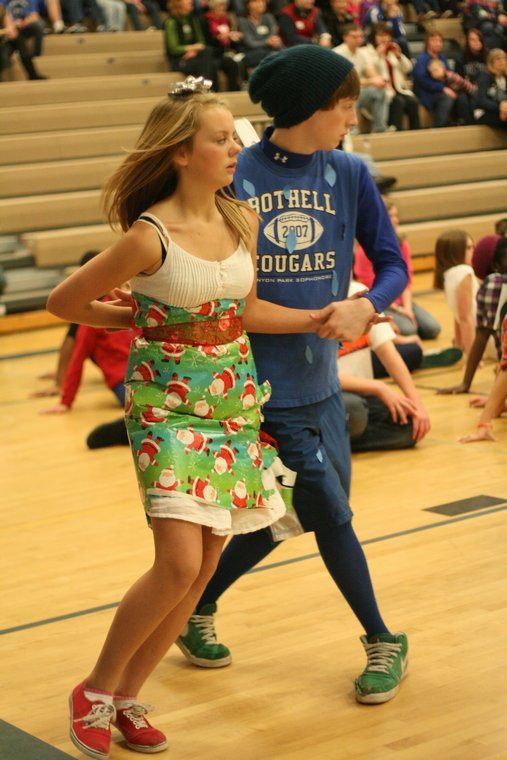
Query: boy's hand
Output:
(346,320)
(57,409)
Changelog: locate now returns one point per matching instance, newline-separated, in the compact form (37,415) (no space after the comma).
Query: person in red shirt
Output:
(224,41)
(301,23)
(108,350)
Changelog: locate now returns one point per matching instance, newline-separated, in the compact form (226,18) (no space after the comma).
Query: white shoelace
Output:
(136,712)
(381,655)
(100,716)
(206,626)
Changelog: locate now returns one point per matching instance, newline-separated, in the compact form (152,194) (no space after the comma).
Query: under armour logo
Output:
(279,157)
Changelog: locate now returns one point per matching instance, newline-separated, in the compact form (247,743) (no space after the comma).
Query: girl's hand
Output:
(484,433)
(53,391)
(420,422)
(400,407)
(453,391)
(122,298)
(57,409)
(478,402)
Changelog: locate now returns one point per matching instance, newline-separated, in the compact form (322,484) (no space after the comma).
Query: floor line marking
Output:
(302,558)
(28,354)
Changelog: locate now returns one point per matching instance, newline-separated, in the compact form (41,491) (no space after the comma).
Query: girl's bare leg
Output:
(154,648)
(177,565)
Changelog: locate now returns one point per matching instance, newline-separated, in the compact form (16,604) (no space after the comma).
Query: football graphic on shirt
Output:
(306,229)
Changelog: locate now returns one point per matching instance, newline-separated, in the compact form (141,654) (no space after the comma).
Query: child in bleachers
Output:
(185,42)
(336,17)
(473,60)
(395,67)
(372,103)
(260,33)
(489,16)
(150,7)
(461,87)
(434,95)
(389,12)
(491,104)
(454,275)
(301,22)
(223,40)
(115,14)
(22,20)
(14,42)
(491,297)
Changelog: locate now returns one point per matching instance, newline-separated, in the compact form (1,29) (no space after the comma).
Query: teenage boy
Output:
(313,201)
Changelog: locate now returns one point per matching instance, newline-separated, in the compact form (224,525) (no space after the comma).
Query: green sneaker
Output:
(198,642)
(387,665)
(441,357)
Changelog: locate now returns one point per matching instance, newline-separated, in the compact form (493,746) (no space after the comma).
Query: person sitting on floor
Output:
(495,404)
(491,297)
(455,276)
(379,418)
(409,317)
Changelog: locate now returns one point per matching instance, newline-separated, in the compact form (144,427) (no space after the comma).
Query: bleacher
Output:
(60,139)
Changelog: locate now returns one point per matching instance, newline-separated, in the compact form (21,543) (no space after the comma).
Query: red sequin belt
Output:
(212,332)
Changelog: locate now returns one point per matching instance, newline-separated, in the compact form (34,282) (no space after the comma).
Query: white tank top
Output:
(186,281)
(452,279)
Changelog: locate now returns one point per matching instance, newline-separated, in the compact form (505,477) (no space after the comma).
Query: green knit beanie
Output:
(294,83)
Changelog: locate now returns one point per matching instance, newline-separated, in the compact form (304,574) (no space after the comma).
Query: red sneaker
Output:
(139,734)
(91,712)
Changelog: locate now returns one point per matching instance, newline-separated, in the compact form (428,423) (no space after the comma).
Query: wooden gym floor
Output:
(74,537)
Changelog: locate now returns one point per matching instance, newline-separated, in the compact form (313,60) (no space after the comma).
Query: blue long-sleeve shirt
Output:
(312,208)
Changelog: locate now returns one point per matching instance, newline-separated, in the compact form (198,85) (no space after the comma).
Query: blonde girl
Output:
(193,402)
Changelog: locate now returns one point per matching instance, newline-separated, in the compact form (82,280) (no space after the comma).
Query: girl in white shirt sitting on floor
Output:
(455,276)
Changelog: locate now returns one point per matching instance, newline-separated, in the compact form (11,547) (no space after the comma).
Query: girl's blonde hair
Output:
(149,174)
(450,251)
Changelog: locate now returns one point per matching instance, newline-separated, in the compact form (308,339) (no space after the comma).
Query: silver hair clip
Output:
(190,86)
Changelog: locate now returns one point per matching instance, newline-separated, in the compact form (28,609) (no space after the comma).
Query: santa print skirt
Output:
(193,415)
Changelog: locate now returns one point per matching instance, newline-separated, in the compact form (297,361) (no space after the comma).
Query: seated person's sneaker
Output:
(198,642)
(139,734)
(387,665)
(91,713)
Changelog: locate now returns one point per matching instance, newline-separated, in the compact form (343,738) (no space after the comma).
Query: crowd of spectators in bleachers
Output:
(207,37)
